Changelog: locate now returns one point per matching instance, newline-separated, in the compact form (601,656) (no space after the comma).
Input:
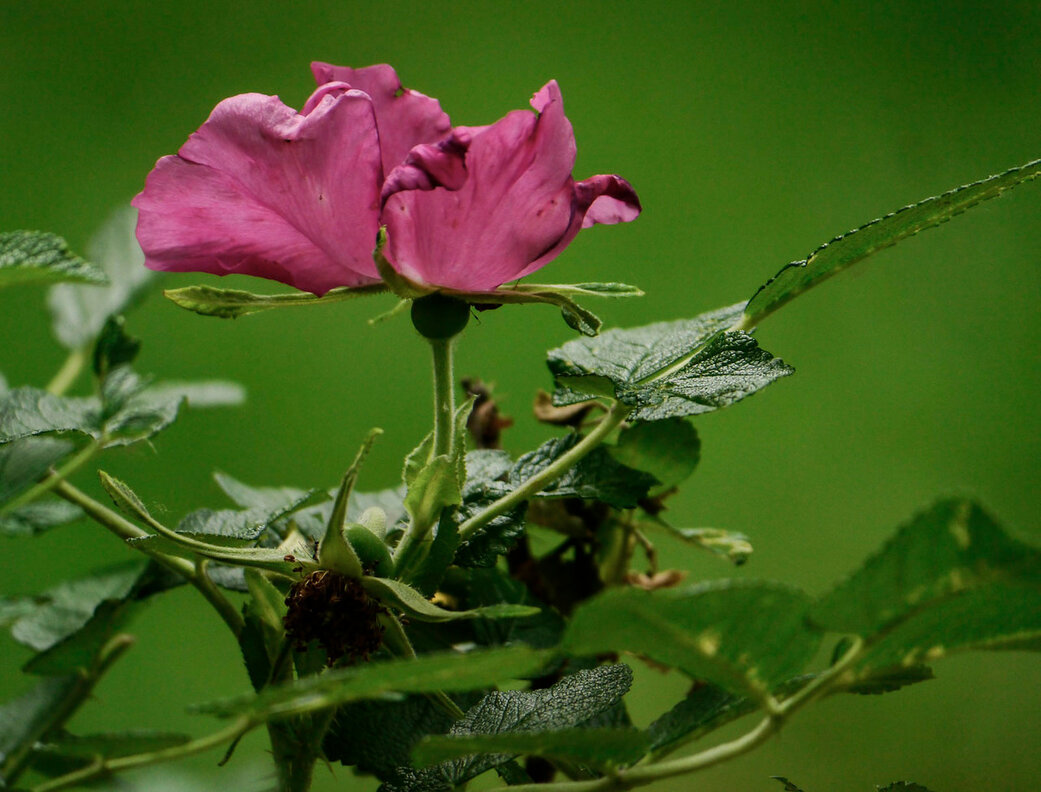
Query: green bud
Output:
(438,316)
(375,519)
(371,550)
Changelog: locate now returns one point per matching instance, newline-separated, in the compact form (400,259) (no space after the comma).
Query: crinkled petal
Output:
(262,190)
(430,165)
(515,205)
(406,118)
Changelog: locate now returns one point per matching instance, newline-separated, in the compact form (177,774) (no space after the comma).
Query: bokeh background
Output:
(753,132)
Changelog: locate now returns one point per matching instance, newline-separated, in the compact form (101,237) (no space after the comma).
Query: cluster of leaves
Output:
(503,589)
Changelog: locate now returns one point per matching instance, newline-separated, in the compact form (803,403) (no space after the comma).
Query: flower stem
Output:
(105,767)
(444,396)
(68,372)
(618,413)
(126,530)
(777,715)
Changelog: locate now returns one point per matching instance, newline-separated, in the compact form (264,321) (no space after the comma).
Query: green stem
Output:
(68,372)
(105,767)
(45,485)
(444,396)
(126,530)
(614,417)
(778,713)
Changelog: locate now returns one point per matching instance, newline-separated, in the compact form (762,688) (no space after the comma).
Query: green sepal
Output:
(735,547)
(401,286)
(233,303)
(371,550)
(170,542)
(413,604)
(847,249)
(334,551)
(35,256)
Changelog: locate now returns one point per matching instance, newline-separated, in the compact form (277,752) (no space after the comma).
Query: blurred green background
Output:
(753,132)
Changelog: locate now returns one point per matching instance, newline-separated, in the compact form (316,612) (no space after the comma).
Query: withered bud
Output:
(336,612)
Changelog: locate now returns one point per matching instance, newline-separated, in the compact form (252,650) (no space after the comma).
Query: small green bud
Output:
(371,549)
(375,519)
(438,316)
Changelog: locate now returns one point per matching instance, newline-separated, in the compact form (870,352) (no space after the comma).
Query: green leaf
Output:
(23,462)
(200,394)
(597,476)
(669,450)
(731,545)
(270,499)
(233,303)
(79,313)
(788,785)
(77,652)
(449,671)
(571,701)
(28,718)
(378,736)
(582,289)
(847,249)
(35,256)
(950,579)
(668,369)
(902,786)
(66,608)
(108,745)
(598,747)
(415,605)
(35,518)
(114,347)
(485,471)
(488,586)
(28,411)
(705,708)
(745,636)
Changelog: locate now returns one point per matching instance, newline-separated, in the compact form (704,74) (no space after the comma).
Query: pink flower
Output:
(491,204)
(263,190)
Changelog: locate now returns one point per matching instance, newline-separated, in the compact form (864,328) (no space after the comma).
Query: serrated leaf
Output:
(35,518)
(704,708)
(233,303)
(571,701)
(415,605)
(38,256)
(668,450)
(950,579)
(28,411)
(745,636)
(67,607)
(598,747)
(247,524)
(485,469)
(491,585)
(668,369)
(847,249)
(448,671)
(78,313)
(597,476)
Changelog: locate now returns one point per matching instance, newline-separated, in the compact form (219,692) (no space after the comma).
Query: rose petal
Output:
(262,190)
(405,118)
(515,204)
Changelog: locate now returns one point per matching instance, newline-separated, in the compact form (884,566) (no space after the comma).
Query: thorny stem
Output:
(104,767)
(777,715)
(126,530)
(614,417)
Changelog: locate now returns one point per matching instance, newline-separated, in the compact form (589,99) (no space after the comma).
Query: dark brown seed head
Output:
(336,612)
